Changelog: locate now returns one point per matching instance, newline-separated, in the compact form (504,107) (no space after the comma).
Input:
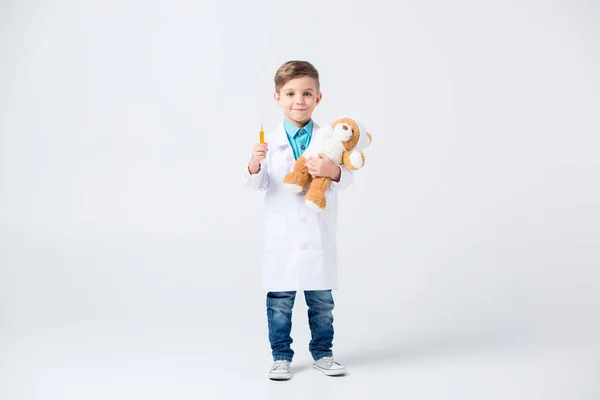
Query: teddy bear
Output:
(342,143)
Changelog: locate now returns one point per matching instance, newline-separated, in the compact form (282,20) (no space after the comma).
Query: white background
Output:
(129,249)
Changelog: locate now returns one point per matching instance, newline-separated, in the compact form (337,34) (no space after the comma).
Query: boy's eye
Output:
(308,94)
(290,94)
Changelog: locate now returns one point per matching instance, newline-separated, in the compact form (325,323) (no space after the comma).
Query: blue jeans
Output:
(320,319)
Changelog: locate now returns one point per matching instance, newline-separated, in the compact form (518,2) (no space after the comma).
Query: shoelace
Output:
(330,361)
(279,364)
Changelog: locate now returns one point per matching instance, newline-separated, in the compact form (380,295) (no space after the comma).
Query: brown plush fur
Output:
(350,143)
(316,191)
(318,186)
(299,176)
(346,160)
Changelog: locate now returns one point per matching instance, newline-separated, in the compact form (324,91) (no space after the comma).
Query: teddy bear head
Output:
(352,133)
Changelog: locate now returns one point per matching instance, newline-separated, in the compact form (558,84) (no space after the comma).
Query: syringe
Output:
(262,132)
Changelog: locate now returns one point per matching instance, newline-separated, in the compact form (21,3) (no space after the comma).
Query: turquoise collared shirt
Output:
(299,138)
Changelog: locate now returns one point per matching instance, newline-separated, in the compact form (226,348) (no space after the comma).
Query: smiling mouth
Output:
(297,109)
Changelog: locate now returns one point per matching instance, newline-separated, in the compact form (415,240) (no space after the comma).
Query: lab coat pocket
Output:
(276,231)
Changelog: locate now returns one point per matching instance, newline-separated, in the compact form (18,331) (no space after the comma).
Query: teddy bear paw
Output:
(356,159)
(293,188)
(313,206)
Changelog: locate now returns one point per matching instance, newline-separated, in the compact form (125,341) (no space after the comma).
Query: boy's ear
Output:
(319,97)
(276,96)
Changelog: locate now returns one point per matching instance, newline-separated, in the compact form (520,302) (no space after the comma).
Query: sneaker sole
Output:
(328,372)
(280,377)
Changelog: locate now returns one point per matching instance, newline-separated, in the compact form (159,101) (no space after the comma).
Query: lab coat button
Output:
(304,247)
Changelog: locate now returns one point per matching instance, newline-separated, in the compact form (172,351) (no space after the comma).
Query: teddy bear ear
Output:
(344,119)
(370,138)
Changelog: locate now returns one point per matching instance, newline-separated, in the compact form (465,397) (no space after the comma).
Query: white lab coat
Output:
(300,251)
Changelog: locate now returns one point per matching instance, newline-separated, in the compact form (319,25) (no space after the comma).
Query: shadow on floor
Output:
(441,345)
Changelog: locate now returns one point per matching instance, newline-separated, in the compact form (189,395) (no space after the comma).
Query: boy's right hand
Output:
(259,153)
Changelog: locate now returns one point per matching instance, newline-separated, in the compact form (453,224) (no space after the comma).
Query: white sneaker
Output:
(329,366)
(280,370)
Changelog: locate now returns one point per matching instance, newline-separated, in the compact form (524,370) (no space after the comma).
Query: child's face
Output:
(298,99)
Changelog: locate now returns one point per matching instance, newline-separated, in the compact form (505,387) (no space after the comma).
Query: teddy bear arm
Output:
(353,160)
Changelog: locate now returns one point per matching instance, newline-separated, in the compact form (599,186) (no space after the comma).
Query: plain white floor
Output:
(201,355)
(175,362)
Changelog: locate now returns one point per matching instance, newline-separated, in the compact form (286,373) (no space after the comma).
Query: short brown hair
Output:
(295,69)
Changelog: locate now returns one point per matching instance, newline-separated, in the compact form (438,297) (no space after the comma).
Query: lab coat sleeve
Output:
(346,179)
(258,181)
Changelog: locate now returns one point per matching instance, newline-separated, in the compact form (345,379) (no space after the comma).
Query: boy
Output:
(300,244)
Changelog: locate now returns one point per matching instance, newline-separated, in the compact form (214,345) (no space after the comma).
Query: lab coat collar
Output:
(280,137)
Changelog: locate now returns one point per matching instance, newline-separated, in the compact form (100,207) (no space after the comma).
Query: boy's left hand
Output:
(322,166)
